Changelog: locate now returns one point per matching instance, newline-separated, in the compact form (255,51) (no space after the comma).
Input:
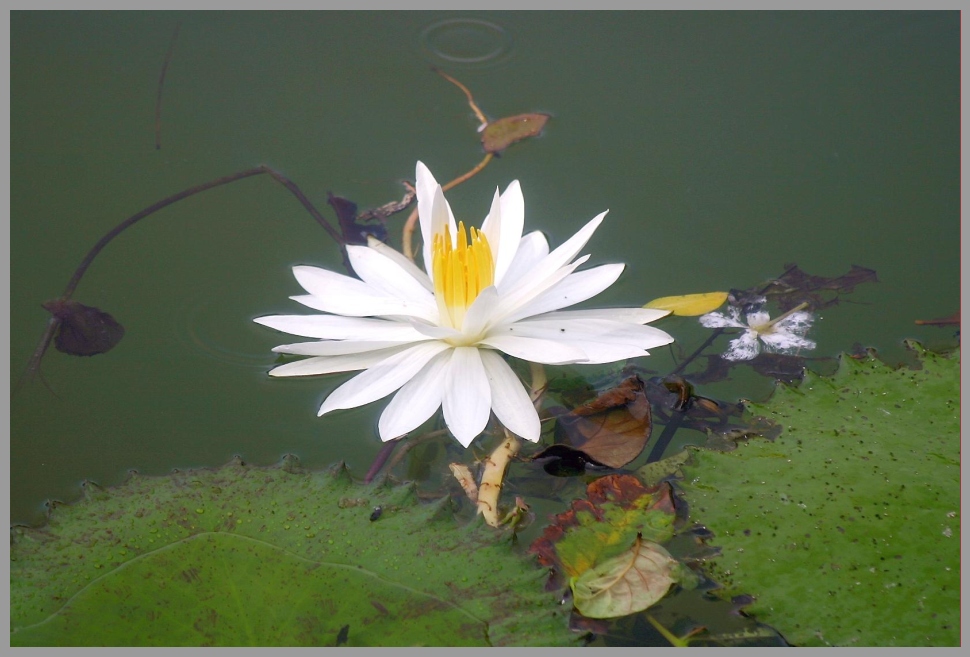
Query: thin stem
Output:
(33,366)
(382,456)
(161,84)
(411,444)
(468,95)
(664,440)
(138,216)
(707,343)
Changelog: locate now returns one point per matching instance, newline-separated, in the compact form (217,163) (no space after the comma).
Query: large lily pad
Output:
(271,556)
(846,528)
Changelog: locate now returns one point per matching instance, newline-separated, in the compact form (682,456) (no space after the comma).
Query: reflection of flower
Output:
(434,335)
(784,334)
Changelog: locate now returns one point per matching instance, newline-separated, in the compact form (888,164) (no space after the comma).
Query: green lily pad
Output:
(846,528)
(273,556)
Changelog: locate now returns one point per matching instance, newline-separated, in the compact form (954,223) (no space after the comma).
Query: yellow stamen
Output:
(460,272)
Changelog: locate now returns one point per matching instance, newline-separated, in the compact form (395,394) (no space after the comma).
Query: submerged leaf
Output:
(272,556)
(502,133)
(627,583)
(84,330)
(690,305)
(795,287)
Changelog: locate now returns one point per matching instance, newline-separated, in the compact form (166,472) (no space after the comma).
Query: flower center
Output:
(460,272)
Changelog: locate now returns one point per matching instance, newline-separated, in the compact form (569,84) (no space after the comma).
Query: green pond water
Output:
(725,145)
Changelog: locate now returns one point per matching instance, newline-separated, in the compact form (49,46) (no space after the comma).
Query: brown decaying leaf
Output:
(502,133)
(611,430)
(84,330)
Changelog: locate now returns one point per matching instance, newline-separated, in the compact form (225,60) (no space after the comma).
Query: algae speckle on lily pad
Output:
(274,556)
(846,529)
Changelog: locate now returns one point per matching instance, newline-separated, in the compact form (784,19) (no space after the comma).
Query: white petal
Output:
(401,260)
(492,226)
(518,299)
(644,337)
(743,348)
(798,322)
(416,401)
(467,398)
(332,364)
(603,341)
(719,320)
(387,276)
(757,318)
(786,343)
(337,327)
(343,295)
(424,188)
(554,261)
(510,401)
(532,249)
(548,352)
(576,287)
(337,347)
(436,332)
(635,315)
(505,234)
(440,216)
(383,378)
(481,312)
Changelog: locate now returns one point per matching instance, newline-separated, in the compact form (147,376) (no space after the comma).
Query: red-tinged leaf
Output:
(611,430)
(616,509)
(84,330)
(502,133)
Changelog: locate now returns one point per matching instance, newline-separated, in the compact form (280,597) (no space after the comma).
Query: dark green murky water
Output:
(724,144)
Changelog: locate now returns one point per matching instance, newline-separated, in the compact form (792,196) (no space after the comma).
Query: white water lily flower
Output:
(784,334)
(436,336)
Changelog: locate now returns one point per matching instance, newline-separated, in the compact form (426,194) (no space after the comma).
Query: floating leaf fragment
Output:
(690,305)
(84,330)
(502,133)
(627,583)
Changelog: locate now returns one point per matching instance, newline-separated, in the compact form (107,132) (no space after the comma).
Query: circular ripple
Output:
(469,42)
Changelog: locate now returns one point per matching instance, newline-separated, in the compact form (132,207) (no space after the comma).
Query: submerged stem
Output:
(33,366)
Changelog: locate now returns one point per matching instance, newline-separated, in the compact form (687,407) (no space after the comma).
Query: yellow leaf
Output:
(689,305)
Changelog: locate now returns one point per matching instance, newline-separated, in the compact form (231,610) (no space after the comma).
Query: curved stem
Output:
(33,366)
(468,95)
